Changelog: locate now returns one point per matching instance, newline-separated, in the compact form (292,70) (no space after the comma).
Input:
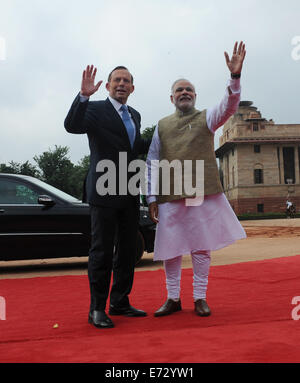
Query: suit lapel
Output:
(118,125)
(116,122)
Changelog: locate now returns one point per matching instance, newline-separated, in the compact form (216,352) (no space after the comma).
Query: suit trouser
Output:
(201,264)
(106,224)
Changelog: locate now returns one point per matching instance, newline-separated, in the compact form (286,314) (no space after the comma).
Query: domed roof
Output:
(245,103)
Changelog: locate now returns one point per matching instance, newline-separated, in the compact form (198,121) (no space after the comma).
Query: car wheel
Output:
(140,248)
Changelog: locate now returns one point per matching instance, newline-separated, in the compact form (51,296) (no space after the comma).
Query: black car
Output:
(39,221)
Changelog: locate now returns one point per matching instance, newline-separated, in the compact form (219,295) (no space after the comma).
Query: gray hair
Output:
(180,79)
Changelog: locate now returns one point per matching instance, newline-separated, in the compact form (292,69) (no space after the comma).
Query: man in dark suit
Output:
(112,128)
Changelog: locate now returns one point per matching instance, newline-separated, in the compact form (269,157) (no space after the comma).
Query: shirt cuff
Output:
(83,98)
(235,85)
(150,199)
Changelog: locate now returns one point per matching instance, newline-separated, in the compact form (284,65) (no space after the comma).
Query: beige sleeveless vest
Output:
(185,136)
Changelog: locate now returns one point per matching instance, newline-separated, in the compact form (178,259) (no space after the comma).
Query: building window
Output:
(260,208)
(255,126)
(232,151)
(258,176)
(256,148)
(289,164)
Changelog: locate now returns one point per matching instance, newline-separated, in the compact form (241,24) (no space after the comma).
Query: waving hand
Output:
(235,64)
(88,86)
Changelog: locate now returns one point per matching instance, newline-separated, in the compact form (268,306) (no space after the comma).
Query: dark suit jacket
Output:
(107,137)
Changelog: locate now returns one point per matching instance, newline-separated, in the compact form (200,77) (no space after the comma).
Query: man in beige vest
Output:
(189,223)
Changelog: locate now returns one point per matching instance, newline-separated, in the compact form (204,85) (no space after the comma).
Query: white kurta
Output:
(213,224)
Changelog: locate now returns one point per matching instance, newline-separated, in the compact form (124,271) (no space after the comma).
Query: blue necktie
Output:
(128,124)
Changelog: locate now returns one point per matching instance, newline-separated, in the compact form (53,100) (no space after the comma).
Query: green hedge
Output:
(253,216)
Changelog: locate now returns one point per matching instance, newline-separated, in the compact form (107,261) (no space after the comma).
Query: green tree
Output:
(147,133)
(57,169)
(29,170)
(7,169)
(79,174)
(26,169)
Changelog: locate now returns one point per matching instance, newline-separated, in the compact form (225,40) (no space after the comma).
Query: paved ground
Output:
(265,239)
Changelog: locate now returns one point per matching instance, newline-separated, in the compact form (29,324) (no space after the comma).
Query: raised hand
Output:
(88,86)
(235,64)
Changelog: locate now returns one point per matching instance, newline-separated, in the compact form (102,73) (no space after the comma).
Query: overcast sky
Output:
(49,43)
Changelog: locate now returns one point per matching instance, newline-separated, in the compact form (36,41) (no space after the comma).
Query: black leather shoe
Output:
(169,307)
(201,308)
(128,311)
(100,319)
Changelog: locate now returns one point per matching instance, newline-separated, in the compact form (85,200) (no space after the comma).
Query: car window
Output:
(17,193)
(57,192)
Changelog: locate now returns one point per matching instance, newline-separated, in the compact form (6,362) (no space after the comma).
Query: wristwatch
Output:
(235,75)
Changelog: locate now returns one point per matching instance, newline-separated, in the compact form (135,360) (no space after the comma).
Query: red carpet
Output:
(251,319)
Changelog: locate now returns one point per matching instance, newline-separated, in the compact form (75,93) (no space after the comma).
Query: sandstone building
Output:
(259,162)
